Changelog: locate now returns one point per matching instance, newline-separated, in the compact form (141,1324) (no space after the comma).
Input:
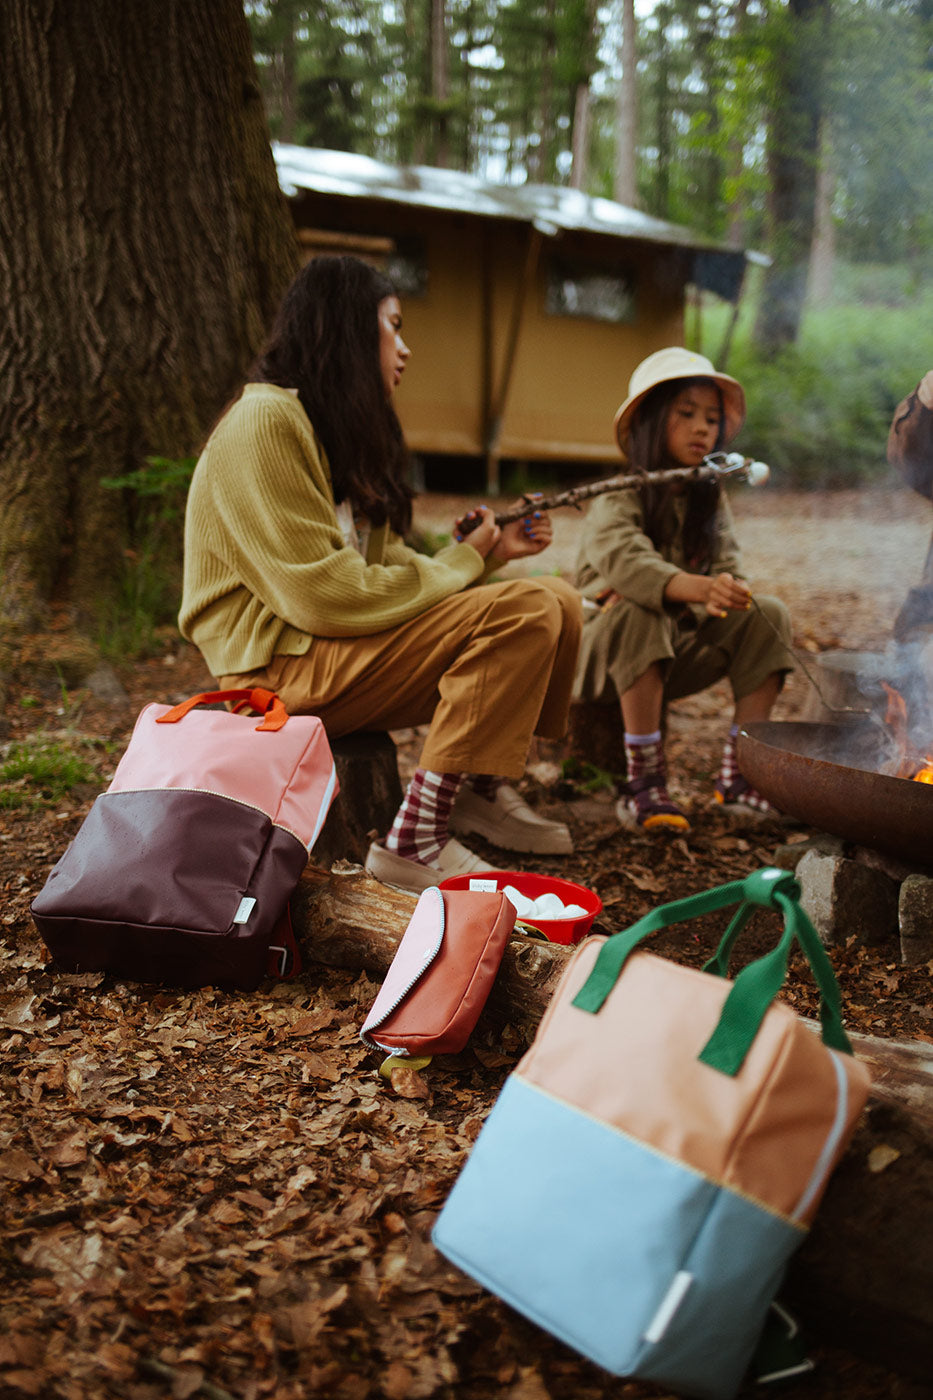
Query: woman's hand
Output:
(530,535)
(482,536)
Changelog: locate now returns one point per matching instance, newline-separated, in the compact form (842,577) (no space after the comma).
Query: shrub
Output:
(820,411)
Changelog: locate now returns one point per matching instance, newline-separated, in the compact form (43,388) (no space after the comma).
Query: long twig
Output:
(704,472)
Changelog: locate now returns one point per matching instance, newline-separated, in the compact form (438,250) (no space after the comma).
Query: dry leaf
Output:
(409,1084)
(881,1157)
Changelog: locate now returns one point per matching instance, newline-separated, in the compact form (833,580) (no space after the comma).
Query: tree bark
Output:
(626,186)
(864,1276)
(735,151)
(144,245)
(793,158)
(823,250)
(440,82)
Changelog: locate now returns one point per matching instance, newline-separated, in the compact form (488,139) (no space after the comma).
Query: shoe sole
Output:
(545,843)
(629,822)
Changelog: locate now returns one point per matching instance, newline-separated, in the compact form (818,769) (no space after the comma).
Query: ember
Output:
(908,761)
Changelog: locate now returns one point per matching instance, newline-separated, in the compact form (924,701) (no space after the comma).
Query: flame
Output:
(909,763)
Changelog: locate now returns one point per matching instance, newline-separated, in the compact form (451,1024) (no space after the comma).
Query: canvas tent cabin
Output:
(526,307)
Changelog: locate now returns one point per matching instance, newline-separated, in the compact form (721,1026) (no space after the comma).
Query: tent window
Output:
(595,293)
(407,266)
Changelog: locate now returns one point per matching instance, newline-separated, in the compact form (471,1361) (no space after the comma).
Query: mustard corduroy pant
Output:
(486,669)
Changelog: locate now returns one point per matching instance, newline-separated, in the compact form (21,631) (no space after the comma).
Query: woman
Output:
(297,579)
(662,564)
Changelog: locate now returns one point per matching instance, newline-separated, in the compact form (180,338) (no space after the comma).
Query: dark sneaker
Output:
(740,797)
(647,803)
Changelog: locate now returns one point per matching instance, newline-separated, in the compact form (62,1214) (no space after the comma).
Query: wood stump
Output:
(369,797)
(594,736)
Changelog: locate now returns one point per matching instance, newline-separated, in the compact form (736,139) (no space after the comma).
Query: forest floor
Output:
(209,1193)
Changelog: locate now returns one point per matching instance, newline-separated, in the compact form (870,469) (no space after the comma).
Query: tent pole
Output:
(497,411)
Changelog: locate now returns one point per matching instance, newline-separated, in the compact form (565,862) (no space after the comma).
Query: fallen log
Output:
(346,919)
(863,1279)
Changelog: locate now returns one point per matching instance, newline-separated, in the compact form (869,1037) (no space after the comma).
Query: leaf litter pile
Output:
(215,1194)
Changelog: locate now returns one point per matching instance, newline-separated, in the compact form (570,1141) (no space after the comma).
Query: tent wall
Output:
(483,339)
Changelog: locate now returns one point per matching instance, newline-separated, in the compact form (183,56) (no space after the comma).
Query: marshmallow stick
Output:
(719,466)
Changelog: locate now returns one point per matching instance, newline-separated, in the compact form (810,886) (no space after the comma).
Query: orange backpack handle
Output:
(264,702)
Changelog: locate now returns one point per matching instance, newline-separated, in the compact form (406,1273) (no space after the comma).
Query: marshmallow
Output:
(546,906)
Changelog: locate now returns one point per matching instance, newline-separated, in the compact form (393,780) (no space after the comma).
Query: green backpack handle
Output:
(756,986)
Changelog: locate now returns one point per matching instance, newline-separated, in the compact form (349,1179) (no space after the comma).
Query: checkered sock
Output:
(731,787)
(728,767)
(419,831)
(644,753)
(646,795)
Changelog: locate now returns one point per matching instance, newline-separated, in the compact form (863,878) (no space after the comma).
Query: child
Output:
(662,562)
(297,578)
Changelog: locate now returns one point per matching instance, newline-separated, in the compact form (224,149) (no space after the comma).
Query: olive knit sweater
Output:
(266,564)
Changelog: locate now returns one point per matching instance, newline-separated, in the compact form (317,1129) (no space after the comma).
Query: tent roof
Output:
(551,209)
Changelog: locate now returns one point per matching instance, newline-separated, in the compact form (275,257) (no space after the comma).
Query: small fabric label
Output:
(669,1305)
(245,907)
(484,886)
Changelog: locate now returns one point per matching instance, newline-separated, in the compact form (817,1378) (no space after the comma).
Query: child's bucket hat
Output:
(676,363)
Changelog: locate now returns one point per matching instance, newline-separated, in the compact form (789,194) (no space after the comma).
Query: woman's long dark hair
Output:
(325,344)
(647,453)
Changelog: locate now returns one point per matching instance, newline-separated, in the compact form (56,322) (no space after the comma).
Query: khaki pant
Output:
(486,668)
(620,644)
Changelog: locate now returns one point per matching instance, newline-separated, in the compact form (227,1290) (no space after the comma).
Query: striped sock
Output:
(419,831)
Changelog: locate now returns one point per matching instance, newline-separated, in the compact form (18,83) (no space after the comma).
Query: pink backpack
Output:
(182,871)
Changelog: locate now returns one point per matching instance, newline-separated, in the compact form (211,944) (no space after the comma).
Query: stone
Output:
(105,685)
(915,919)
(789,855)
(844,898)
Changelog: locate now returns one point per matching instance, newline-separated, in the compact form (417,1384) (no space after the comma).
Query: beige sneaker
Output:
(509,822)
(412,876)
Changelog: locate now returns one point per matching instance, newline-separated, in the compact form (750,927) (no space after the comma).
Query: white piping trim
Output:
(671,1301)
(325,806)
(825,1160)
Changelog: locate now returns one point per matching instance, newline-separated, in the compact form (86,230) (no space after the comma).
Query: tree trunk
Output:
(581,136)
(864,1277)
(289,63)
(626,186)
(823,251)
(793,158)
(735,152)
(440,81)
(144,245)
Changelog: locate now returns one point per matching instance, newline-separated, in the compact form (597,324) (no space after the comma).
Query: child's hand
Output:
(728,594)
(484,535)
(529,535)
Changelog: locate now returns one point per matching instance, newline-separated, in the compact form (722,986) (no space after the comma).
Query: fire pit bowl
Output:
(823,775)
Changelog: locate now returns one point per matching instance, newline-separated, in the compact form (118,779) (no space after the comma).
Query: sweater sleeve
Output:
(262,541)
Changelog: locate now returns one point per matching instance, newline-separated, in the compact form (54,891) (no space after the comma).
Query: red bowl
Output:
(555,930)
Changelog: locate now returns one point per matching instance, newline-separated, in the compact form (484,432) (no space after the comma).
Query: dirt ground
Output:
(210,1193)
